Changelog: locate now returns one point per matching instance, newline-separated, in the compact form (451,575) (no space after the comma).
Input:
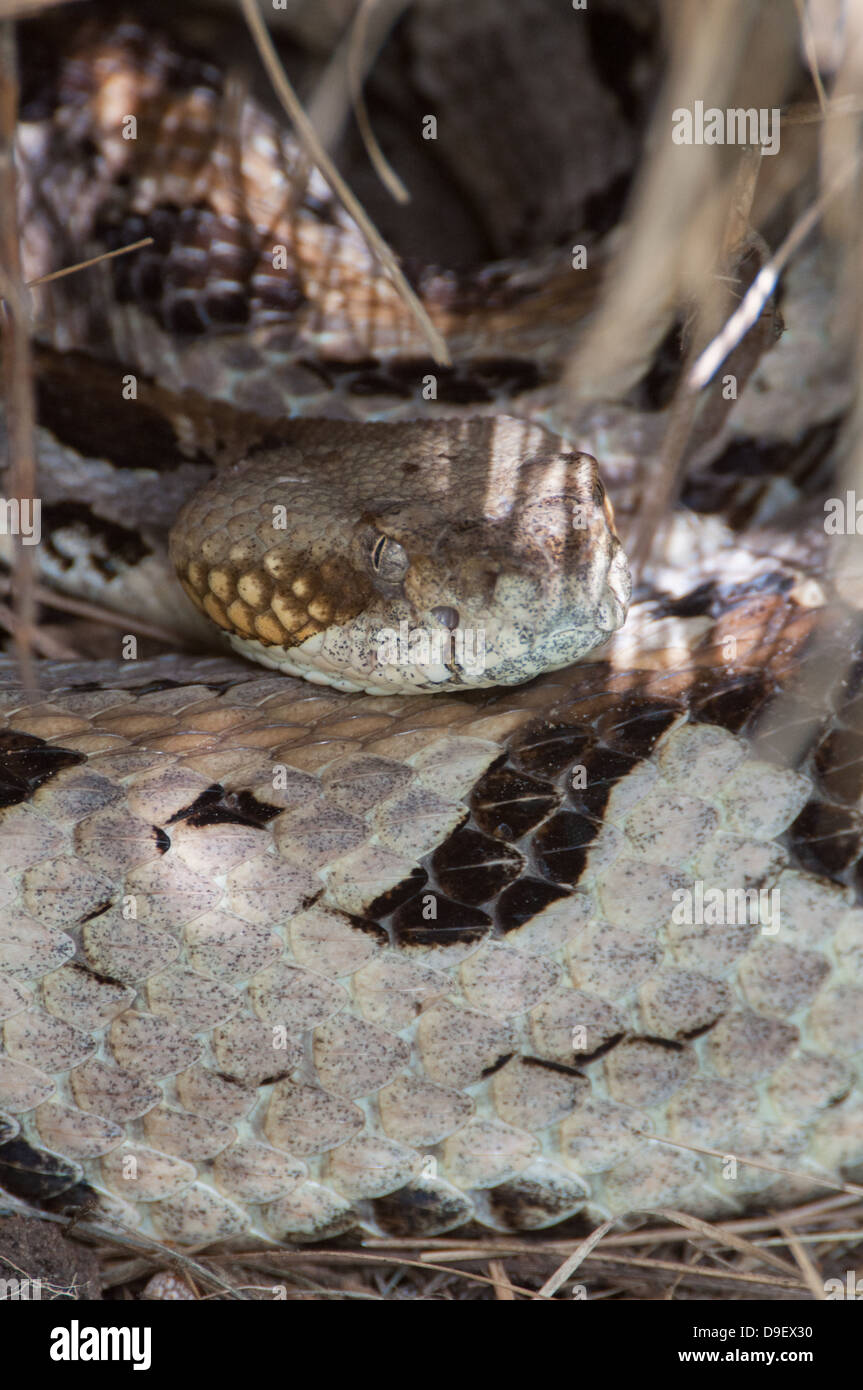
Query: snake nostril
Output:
(447,617)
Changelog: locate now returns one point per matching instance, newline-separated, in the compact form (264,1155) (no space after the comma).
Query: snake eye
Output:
(388,559)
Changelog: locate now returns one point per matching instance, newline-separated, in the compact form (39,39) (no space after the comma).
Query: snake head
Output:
(410,557)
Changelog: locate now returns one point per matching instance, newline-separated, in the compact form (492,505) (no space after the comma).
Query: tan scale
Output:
(276,1065)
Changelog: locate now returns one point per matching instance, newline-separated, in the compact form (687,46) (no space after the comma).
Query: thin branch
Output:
(361,1257)
(762,287)
(570,1265)
(16,358)
(42,641)
(706,318)
(356,51)
(96,612)
(698,1226)
(731,1276)
(503,1290)
(813,1279)
(848,1187)
(94,260)
(811,113)
(309,138)
(808,36)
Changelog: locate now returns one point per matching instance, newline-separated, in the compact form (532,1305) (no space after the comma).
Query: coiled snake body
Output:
(287,961)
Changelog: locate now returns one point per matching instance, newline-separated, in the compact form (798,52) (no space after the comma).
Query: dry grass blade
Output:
(385,172)
(811,1214)
(811,113)
(85,265)
(841,139)
(95,612)
(808,37)
(316,152)
(813,1279)
(849,1187)
(708,312)
(339,89)
(366,1257)
(679,209)
(735,1242)
(753,302)
(40,641)
(570,1265)
(144,1247)
(729,1277)
(503,1290)
(17,370)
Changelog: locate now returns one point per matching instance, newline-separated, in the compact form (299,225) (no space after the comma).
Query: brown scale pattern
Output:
(251,290)
(429,972)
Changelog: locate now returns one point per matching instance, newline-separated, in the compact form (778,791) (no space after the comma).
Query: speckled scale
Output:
(485,1028)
